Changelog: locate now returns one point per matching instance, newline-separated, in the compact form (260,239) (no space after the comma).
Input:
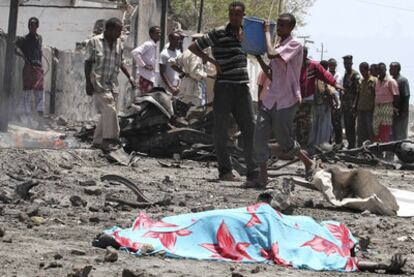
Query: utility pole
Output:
(322,51)
(306,40)
(200,16)
(8,76)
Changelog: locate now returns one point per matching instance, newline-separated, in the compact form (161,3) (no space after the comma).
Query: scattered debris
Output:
(38,220)
(136,273)
(33,211)
(142,200)
(77,201)
(119,156)
(364,242)
(61,121)
(94,209)
(406,238)
(366,213)
(96,191)
(58,256)
(53,264)
(81,270)
(309,204)
(94,219)
(23,190)
(255,270)
(237,274)
(7,240)
(279,199)
(368,154)
(23,217)
(88,183)
(147,249)
(77,252)
(157,125)
(111,255)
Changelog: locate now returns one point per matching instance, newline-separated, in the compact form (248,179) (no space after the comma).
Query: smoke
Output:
(21,137)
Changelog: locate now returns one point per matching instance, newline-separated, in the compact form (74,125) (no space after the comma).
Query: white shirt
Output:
(146,54)
(172,75)
(190,87)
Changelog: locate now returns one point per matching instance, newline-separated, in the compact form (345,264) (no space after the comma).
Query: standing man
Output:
(351,87)
(281,103)
(30,48)
(311,72)
(400,121)
(336,111)
(193,73)
(324,99)
(145,56)
(170,79)
(104,58)
(231,91)
(365,105)
(373,69)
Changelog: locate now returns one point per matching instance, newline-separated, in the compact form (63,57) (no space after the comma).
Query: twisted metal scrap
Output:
(368,153)
(142,200)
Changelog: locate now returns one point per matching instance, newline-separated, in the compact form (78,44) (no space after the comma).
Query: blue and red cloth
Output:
(255,234)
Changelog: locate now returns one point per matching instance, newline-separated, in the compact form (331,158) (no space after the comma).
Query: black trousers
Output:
(350,123)
(233,99)
(337,125)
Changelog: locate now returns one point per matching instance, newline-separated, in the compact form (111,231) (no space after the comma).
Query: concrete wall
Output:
(149,15)
(62,25)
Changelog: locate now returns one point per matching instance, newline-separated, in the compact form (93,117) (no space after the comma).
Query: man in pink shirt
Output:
(386,94)
(280,104)
(145,56)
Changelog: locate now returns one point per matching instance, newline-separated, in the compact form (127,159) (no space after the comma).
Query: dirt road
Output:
(50,232)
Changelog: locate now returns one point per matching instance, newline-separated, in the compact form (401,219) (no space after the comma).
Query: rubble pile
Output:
(160,126)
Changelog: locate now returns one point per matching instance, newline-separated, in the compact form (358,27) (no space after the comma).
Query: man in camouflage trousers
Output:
(303,122)
(351,84)
(310,72)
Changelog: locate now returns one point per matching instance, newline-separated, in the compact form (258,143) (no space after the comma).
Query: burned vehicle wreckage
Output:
(160,125)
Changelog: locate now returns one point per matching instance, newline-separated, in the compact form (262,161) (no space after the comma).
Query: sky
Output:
(371,30)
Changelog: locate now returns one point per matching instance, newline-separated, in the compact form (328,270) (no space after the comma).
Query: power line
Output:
(385,6)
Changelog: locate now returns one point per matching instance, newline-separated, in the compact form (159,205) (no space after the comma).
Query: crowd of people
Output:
(372,104)
(302,103)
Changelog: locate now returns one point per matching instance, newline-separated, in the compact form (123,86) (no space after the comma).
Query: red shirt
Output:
(309,74)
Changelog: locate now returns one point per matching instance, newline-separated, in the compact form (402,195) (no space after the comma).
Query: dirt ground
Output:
(45,235)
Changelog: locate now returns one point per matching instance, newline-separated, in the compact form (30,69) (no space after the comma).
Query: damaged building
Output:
(64,24)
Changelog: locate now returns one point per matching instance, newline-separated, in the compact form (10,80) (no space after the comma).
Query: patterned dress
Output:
(385,90)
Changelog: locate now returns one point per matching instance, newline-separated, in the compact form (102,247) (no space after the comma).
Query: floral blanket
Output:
(255,234)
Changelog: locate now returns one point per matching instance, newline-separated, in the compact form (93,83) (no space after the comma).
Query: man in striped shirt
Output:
(231,91)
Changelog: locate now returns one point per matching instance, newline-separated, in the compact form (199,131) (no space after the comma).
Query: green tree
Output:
(215,11)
